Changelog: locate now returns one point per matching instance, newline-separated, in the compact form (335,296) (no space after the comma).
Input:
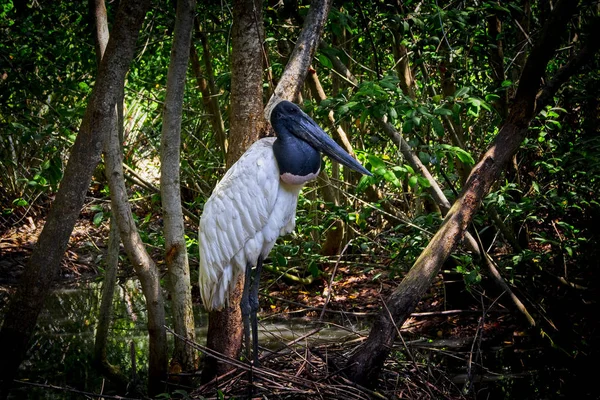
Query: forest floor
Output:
(459,343)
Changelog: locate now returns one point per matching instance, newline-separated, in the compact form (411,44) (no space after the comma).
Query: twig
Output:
(133,176)
(330,283)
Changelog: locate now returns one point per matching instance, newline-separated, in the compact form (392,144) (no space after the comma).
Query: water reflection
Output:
(62,347)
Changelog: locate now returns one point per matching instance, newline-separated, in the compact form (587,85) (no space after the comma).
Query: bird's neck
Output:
(298,161)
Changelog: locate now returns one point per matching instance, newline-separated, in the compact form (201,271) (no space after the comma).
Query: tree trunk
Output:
(44,265)
(207,88)
(364,365)
(105,311)
(225,329)
(497,61)
(144,266)
(297,67)
(335,232)
(101,36)
(175,248)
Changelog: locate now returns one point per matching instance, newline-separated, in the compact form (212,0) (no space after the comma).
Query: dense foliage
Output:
(441,72)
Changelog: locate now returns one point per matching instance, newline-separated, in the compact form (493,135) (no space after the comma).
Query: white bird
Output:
(255,203)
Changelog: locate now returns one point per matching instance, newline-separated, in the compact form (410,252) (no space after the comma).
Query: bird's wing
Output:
(233,219)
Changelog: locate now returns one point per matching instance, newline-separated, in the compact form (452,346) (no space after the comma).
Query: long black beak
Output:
(308,130)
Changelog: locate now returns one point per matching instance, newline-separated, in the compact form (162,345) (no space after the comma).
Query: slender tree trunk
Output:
(297,67)
(335,233)
(143,265)
(176,251)
(101,36)
(365,364)
(44,265)
(497,61)
(225,329)
(205,80)
(105,311)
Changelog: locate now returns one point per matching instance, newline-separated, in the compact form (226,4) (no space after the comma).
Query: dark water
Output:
(62,348)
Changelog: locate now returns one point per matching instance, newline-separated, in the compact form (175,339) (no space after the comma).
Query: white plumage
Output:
(248,210)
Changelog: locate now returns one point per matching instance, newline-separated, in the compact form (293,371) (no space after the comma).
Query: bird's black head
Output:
(289,120)
(298,161)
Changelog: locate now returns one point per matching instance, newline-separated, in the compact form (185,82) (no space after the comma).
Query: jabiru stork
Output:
(255,203)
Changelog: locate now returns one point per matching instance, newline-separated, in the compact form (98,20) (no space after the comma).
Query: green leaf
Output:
(390,177)
(423,182)
(491,97)
(281,260)
(462,92)
(393,114)
(375,161)
(569,251)
(98,217)
(325,61)
(442,111)
(412,181)
(352,104)
(83,87)
(438,128)
(464,156)
(20,202)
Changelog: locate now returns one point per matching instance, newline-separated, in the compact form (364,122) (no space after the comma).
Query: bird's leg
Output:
(253,299)
(245,307)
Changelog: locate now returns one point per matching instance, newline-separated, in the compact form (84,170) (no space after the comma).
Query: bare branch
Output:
(297,67)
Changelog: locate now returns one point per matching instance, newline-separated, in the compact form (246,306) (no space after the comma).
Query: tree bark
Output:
(144,266)
(225,330)
(364,365)
(333,242)
(44,264)
(101,36)
(246,121)
(176,252)
(225,327)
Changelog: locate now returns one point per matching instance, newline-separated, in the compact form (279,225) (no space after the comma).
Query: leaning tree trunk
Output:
(44,265)
(364,366)
(225,329)
(145,268)
(176,251)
